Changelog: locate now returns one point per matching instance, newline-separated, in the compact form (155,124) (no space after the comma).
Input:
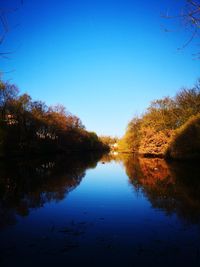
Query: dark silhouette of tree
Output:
(189,17)
(4,22)
(28,126)
(29,184)
(3,29)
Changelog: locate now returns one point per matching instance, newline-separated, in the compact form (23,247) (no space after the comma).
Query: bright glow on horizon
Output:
(104,60)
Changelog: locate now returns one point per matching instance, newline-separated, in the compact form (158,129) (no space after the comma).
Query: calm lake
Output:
(99,211)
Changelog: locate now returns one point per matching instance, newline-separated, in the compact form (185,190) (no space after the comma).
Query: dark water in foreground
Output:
(83,211)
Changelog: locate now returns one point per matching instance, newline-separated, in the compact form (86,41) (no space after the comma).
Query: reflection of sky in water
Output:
(106,217)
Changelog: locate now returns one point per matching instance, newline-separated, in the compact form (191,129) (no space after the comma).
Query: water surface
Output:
(94,211)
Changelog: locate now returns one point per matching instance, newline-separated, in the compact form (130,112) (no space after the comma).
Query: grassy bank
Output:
(185,143)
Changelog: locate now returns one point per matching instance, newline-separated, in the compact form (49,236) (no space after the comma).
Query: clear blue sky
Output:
(104,60)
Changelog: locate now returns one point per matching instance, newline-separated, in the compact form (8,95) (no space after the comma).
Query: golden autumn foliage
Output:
(170,186)
(28,126)
(153,132)
(108,140)
(155,142)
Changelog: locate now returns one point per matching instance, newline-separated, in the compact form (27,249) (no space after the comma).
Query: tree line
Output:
(28,126)
(166,121)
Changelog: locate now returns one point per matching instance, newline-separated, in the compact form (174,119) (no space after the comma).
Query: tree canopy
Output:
(152,132)
(32,126)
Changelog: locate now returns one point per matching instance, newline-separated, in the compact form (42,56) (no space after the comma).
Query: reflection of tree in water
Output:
(30,184)
(172,187)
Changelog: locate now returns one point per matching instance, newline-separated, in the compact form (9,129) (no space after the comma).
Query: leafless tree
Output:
(3,29)
(189,16)
(4,25)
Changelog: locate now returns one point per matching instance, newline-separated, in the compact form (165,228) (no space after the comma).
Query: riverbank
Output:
(169,128)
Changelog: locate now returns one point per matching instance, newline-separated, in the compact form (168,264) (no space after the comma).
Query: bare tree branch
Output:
(4,27)
(189,15)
